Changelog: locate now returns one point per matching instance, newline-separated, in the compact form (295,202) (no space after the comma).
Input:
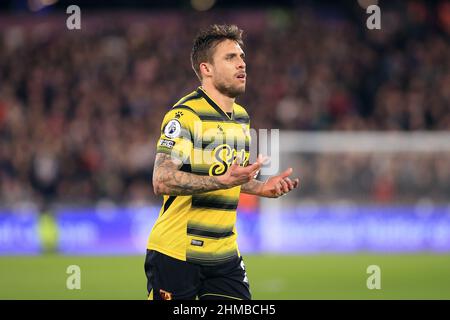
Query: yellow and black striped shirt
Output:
(201,228)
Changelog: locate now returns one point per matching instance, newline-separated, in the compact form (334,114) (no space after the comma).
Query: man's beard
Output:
(229,90)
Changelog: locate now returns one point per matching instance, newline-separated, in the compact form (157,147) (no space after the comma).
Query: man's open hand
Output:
(279,185)
(237,175)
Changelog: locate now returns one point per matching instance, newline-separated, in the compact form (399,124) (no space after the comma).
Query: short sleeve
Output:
(177,134)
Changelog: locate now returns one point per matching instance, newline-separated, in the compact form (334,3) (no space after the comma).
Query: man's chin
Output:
(239,91)
(233,92)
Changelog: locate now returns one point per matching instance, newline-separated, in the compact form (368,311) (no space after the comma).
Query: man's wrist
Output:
(219,180)
(260,187)
(254,187)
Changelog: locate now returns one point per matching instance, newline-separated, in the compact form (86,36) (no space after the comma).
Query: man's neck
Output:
(224,102)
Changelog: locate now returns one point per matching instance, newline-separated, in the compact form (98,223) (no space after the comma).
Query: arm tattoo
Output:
(252,187)
(169,180)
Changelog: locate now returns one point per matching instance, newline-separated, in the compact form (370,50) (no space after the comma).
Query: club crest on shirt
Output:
(178,114)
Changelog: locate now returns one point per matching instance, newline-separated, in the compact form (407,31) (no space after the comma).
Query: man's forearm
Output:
(253,187)
(179,183)
(169,180)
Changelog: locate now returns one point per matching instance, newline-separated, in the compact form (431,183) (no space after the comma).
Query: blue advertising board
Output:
(335,228)
(19,232)
(116,230)
(104,230)
(296,230)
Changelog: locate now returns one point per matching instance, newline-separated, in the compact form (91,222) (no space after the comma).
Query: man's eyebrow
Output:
(233,54)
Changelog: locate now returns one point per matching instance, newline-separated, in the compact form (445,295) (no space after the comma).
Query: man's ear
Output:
(205,69)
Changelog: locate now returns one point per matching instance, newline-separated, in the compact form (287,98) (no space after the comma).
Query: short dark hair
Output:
(207,39)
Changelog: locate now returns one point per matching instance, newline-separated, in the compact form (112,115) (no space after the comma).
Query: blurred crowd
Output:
(381,178)
(80,111)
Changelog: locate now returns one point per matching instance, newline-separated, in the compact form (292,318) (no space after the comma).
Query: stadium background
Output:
(80,113)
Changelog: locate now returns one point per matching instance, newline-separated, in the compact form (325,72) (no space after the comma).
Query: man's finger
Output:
(253,167)
(256,166)
(237,160)
(284,186)
(278,191)
(262,159)
(286,173)
(289,182)
(234,164)
(296,182)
